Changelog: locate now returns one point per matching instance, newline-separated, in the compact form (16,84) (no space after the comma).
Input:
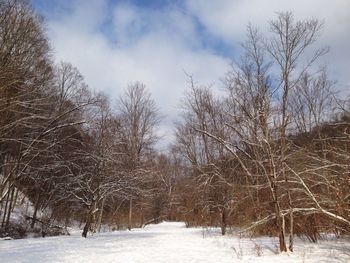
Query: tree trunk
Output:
(27,207)
(279,217)
(223,222)
(130,215)
(142,219)
(100,215)
(282,235)
(89,219)
(87,225)
(280,221)
(291,229)
(5,210)
(9,210)
(66,222)
(36,206)
(15,199)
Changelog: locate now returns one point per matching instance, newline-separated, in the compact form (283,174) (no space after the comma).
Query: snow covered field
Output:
(166,242)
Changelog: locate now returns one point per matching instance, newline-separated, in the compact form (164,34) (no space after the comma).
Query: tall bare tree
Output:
(139,117)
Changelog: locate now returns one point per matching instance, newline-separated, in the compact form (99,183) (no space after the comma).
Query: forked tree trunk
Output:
(279,220)
(282,235)
(89,219)
(87,225)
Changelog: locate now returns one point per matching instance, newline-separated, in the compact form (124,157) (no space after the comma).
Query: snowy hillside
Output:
(166,242)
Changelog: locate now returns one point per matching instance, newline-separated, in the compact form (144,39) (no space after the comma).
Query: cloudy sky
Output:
(117,42)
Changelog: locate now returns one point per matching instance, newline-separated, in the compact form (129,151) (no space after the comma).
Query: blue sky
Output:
(117,42)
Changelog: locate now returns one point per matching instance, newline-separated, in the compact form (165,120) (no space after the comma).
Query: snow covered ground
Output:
(166,242)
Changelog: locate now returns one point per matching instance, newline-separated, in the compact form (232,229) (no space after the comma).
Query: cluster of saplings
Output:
(271,155)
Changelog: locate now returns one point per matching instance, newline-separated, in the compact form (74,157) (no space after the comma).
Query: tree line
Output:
(67,148)
(270,155)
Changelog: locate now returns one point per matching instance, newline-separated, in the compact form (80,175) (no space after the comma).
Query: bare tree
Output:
(259,115)
(139,116)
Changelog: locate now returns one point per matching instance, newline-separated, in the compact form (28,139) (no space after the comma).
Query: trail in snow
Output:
(165,242)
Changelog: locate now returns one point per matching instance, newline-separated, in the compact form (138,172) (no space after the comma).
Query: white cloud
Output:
(227,19)
(151,46)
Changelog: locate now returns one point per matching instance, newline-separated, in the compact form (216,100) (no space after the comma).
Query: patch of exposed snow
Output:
(166,242)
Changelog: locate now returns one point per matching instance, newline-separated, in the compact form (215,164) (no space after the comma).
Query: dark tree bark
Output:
(36,206)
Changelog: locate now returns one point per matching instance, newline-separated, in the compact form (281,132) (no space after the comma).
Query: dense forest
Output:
(270,154)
